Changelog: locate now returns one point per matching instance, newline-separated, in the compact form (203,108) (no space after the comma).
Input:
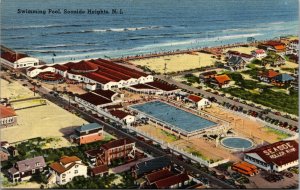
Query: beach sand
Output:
(176,63)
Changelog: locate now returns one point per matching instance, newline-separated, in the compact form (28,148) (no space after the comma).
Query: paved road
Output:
(214,182)
(224,99)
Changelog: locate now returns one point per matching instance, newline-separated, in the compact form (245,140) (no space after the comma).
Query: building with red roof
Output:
(221,81)
(198,101)
(105,74)
(278,156)
(116,149)
(17,60)
(259,53)
(66,169)
(173,182)
(8,116)
(267,75)
(123,116)
(276,46)
(99,170)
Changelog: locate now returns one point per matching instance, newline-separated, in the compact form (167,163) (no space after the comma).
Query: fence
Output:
(178,150)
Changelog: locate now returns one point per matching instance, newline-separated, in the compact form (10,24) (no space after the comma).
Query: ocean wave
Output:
(111,30)
(63,51)
(41,26)
(199,40)
(64,45)
(14,37)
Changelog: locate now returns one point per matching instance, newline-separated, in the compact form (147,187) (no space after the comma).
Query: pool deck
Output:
(171,127)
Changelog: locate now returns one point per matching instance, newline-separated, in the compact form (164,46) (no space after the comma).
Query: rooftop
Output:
(119,113)
(194,98)
(221,79)
(151,165)
(88,127)
(99,169)
(117,143)
(280,153)
(172,180)
(7,111)
(158,175)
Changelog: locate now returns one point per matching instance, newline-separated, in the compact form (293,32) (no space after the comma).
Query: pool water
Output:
(237,143)
(174,116)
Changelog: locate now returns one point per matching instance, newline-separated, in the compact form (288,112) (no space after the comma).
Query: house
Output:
(259,53)
(88,133)
(150,166)
(236,63)
(206,76)
(282,79)
(199,102)
(267,75)
(8,116)
(23,170)
(66,169)
(173,182)
(294,44)
(221,81)
(101,170)
(18,60)
(116,149)
(4,154)
(277,157)
(158,175)
(273,59)
(122,116)
(274,46)
(246,57)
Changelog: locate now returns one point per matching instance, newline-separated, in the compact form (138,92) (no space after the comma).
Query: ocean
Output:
(144,26)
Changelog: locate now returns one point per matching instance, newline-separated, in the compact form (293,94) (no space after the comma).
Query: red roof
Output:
(270,73)
(221,79)
(162,85)
(273,43)
(117,143)
(7,112)
(119,113)
(99,169)
(94,99)
(98,78)
(60,67)
(84,66)
(142,86)
(49,76)
(280,153)
(295,41)
(13,57)
(105,93)
(246,55)
(259,51)
(194,98)
(158,175)
(172,180)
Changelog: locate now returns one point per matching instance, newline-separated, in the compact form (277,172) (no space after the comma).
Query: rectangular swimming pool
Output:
(174,116)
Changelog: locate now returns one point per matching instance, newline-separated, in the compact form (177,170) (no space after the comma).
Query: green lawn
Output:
(281,135)
(277,100)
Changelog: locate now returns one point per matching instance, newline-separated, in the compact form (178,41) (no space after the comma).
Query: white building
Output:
(278,156)
(122,116)
(259,53)
(199,102)
(8,116)
(66,169)
(34,71)
(18,60)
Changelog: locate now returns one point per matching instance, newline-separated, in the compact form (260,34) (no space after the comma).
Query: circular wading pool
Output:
(237,143)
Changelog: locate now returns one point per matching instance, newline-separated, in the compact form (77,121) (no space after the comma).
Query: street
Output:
(224,99)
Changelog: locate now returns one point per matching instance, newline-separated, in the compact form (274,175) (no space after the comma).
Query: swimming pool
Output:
(237,143)
(174,116)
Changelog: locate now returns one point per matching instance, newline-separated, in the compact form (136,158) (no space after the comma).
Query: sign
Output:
(279,151)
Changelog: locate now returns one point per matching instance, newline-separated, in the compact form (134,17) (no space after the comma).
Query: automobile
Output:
(24,85)
(277,113)
(221,177)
